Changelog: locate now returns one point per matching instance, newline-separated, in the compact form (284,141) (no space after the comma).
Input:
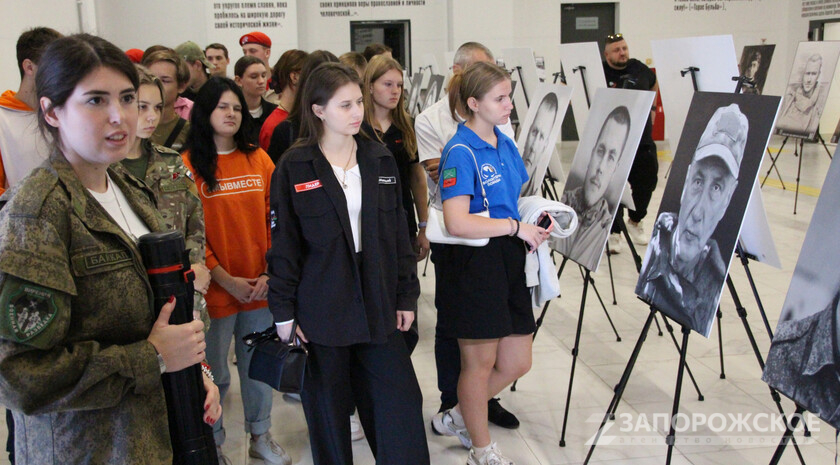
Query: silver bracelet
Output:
(205,368)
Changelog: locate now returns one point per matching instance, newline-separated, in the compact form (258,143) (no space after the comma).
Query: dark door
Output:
(584,22)
(395,34)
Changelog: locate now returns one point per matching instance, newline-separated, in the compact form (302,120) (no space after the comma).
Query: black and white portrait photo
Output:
(754,64)
(539,133)
(805,352)
(807,89)
(600,168)
(433,91)
(703,205)
(414,94)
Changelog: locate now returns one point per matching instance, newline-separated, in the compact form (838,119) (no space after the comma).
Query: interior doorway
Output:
(584,22)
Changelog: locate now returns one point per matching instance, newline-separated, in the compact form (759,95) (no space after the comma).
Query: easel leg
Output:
(742,314)
(773,164)
(798,171)
(636,258)
(720,342)
(746,263)
(591,281)
(658,328)
(828,152)
(574,359)
(670,329)
(612,280)
(676,408)
(622,384)
(787,436)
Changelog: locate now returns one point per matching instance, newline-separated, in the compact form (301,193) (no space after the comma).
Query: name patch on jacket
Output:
(96,260)
(308,186)
(387,179)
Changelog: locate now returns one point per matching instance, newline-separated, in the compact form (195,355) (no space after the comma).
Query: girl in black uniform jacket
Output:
(342,267)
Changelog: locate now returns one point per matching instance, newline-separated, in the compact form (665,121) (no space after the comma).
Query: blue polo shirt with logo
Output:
(500,170)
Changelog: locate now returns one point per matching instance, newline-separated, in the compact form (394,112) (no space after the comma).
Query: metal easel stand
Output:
(625,377)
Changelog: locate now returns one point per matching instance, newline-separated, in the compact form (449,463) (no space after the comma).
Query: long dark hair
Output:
(321,84)
(312,61)
(66,62)
(291,61)
(200,141)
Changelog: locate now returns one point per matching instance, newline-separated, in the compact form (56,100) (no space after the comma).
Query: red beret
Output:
(135,55)
(255,37)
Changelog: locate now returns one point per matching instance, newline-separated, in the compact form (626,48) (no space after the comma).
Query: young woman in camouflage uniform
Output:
(165,174)
(81,353)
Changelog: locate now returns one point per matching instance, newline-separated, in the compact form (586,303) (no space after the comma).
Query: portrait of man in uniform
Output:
(594,210)
(684,269)
(539,131)
(754,64)
(537,140)
(804,355)
(600,169)
(807,89)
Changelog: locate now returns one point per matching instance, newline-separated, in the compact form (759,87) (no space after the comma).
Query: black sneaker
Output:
(497,415)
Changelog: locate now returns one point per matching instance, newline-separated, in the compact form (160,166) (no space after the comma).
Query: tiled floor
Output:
(540,398)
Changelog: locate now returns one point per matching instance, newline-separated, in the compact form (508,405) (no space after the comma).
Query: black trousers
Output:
(643,177)
(447,351)
(380,380)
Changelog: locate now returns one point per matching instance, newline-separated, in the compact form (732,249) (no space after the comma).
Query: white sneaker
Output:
(491,456)
(267,449)
(356,431)
(637,232)
(614,244)
(443,424)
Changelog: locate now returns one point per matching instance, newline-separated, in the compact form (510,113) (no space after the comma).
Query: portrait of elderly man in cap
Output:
(684,270)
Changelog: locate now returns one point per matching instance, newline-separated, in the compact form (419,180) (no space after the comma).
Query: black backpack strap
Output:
(176,131)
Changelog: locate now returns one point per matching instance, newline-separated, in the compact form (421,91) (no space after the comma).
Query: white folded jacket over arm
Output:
(540,273)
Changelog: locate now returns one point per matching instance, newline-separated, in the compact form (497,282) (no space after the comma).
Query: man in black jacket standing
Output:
(622,71)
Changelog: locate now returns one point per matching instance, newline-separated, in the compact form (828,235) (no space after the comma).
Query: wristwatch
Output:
(161,363)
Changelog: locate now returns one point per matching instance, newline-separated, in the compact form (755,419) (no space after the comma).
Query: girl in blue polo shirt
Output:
(485,292)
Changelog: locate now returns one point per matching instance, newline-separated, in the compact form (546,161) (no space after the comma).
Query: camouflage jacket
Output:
(691,298)
(802,363)
(177,197)
(178,204)
(75,311)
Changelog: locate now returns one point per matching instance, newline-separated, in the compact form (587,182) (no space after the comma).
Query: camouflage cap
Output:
(725,137)
(189,51)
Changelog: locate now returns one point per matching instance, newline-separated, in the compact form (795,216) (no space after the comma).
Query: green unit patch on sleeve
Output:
(449,173)
(28,309)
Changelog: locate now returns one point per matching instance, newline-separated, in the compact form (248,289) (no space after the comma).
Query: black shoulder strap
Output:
(175,132)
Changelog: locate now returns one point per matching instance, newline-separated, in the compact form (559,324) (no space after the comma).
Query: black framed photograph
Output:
(702,210)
